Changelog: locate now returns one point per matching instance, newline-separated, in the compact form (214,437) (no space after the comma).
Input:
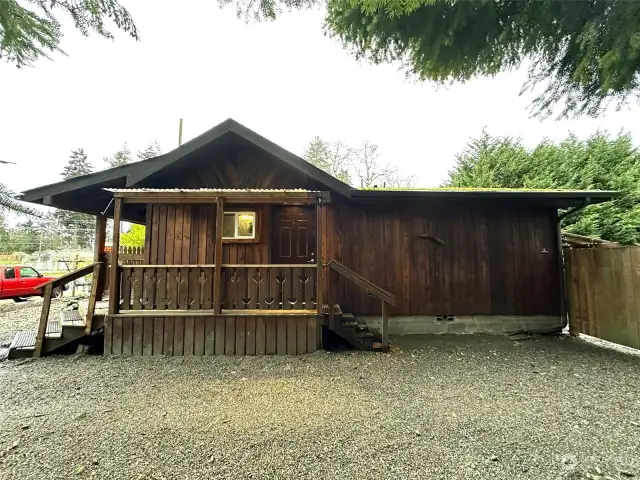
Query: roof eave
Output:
(570,197)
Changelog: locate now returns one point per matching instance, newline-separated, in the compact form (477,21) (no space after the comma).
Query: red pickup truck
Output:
(20,281)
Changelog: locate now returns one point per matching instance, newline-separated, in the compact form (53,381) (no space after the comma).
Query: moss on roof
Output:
(471,189)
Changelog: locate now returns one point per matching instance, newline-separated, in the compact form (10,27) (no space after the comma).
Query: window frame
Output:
(22,269)
(236,238)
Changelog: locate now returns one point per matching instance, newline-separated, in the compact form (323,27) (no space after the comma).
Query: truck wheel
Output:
(57,292)
(19,299)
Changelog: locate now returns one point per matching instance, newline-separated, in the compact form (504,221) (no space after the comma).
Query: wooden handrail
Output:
(364,283)
(48,295)
(369,287)
(70,277)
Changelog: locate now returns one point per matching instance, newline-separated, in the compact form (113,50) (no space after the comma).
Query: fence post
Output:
(572,315)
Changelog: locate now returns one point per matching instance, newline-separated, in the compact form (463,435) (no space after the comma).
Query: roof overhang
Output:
(551,198)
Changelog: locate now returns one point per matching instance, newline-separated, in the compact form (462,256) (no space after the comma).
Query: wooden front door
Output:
(294,235)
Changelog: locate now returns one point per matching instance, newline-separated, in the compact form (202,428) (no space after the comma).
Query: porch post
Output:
(99,254)
(217,281)
(320,284)
(114,284)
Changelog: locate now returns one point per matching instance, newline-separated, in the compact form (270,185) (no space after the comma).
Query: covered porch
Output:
(202,304)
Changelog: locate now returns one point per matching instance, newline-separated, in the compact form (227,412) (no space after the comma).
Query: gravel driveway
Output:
(442,407)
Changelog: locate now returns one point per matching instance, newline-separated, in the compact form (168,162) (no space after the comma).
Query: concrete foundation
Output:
(496,324)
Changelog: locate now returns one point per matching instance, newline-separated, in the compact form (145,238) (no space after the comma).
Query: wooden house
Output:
(251,250)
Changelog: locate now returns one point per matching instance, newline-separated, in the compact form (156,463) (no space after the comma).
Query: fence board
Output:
(603,289)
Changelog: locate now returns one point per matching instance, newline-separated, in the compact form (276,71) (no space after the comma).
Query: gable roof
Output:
(86,194)
(130,175)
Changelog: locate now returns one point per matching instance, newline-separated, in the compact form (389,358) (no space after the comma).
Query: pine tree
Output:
(582,55)
(8,203)
(32,31)
(120,158)
(78,227)
(151,151)
(77,166)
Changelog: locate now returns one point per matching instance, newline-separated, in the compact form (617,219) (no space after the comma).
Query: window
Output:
(239,225)
(28,272)
(9,273)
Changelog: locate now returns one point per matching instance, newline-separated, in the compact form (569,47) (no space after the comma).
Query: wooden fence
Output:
(131,255)
(603,290)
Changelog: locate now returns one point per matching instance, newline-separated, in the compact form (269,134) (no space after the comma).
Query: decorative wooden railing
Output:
(166,287)
(243,287)
(369,288)
(269,287)
(48,287)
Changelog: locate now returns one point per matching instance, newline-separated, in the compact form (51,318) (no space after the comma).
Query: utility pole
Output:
(180,133)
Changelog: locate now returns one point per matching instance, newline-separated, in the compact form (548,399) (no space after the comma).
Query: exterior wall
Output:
(209,335)
(185,234)
(496,259)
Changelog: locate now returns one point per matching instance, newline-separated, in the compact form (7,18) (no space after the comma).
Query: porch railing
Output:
(243,287)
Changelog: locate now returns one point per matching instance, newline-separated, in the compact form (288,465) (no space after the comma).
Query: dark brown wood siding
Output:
(185,235)
(496,259)
(224,166)
(210,335)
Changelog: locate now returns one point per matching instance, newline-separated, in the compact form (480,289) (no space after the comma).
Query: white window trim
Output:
(235,226)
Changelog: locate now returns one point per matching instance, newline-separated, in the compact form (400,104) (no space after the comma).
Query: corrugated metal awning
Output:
(213,195)
(210,190)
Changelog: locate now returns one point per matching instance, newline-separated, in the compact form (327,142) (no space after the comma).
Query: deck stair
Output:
(355,333)
(69,327)
(347,325)
(55,333)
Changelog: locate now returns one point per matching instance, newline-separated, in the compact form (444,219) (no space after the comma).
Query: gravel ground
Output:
(440,407)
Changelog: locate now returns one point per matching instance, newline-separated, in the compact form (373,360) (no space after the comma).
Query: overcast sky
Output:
(284,79)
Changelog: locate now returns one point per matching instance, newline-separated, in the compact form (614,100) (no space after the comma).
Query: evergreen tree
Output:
(583,55)
(78,228)
(8,203)
(120,158)
(31,31)
(77,166)
(600,163)
(151,151)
